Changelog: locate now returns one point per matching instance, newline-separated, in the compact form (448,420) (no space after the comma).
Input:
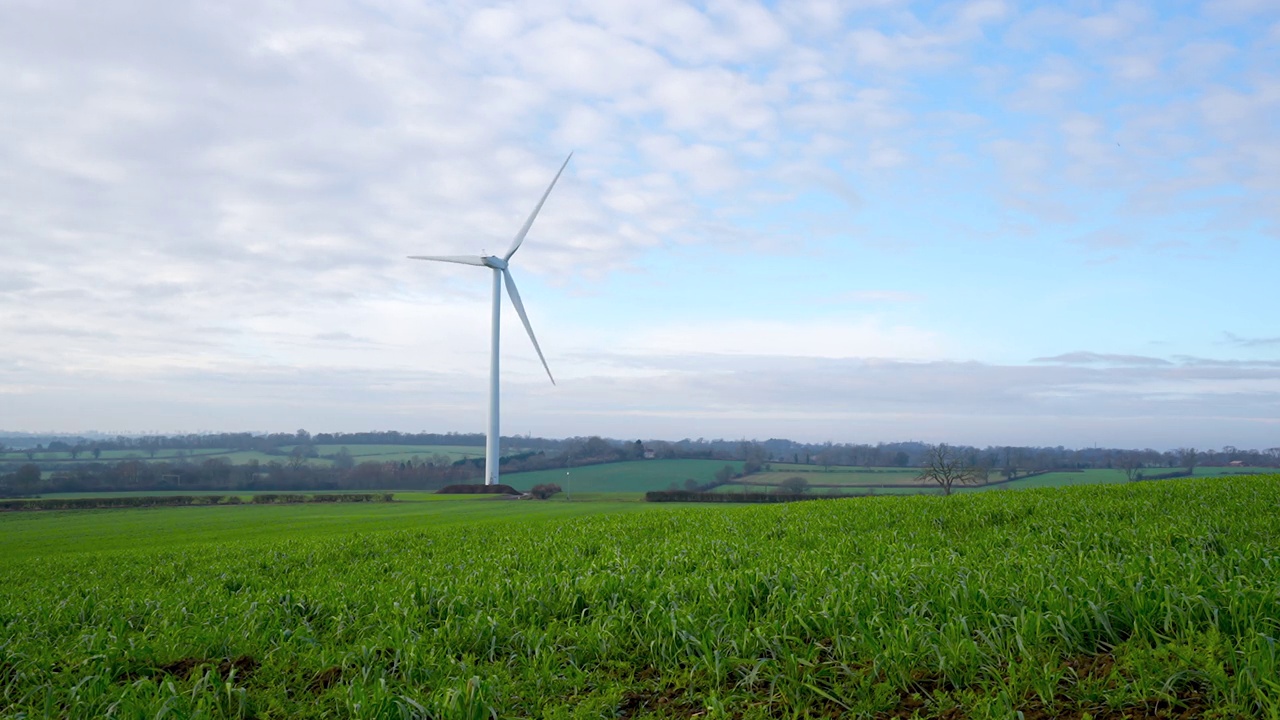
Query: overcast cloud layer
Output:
(980,222)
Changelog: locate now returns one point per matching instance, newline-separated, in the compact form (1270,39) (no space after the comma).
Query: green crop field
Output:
(895,476)
(45,533)
(845,490)
(630,477)
(360,453)
(399,453)
(801,468)
(111,455)
(1156,599)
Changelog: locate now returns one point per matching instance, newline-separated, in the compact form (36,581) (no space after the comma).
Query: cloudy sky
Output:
(979,222)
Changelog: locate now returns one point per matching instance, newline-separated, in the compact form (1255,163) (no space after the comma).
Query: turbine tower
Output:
(501,274)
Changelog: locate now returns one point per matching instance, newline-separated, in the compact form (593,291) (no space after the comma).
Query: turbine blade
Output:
(515,300)
(460,259)
(515,244)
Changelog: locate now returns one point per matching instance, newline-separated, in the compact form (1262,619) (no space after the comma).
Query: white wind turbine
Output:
(501,273)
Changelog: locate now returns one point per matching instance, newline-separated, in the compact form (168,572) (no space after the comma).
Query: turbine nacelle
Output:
(494,262)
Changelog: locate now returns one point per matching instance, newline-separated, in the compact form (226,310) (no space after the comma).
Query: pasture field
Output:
(399,453)
(888,476)
(903,480)
(46,533)
(801,468)
(1136,600)
(629,477)
(847,490)
(1104,476)
(109,455)
(360,453)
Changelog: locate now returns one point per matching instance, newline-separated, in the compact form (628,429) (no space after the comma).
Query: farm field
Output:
(45,533)
(861,480)
(801,468)
(895,476)
(108,455)
(849,490)
(631,477)
(1108,601)
(399,453)
(1104,476)
(360,453)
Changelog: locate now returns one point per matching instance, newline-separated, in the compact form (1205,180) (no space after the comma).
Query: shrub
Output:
(544,490)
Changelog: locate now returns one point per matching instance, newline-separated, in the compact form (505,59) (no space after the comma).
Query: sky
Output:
(980,222)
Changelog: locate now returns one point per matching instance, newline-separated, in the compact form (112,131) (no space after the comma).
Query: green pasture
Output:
(849,490)
(629,477)
(1103,476)
(894,476)
(801,468)
(109,455)
(360,453)
(1133,600)
(47,533)
(400,453)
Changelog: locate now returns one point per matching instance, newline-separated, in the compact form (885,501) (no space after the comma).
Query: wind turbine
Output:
(501,274)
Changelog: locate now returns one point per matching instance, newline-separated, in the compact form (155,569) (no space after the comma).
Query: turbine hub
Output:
(495,262)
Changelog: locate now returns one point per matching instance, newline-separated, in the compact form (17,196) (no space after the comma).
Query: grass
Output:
(628,477)
(46,533)
(1106,601)
(843,477)
(1102,476)
(849,490)
(400,453)
(360,453)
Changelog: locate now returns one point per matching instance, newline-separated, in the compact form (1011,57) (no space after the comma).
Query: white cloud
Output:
(225,193)
(822,337)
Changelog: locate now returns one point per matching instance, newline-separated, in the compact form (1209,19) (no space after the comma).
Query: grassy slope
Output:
(47,533)
(1110,600)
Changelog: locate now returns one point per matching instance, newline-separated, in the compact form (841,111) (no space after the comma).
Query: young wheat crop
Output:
(1099,601)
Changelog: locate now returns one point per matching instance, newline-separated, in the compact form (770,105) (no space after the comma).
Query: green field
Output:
(360,453)
(630,477)
(45,533)
(903,480)
(844,490)
(399,453)
(1103,476)
(842,477)
(1130,600)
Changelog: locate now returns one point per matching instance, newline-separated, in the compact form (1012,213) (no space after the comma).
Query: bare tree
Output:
(1131,464)
(947,466)
(298,457)
(1189,459)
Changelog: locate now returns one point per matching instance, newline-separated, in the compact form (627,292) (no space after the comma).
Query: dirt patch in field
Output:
(670,701)
(182,668)
(1093,667)
(1186,706)
(325,679)
(244,666)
